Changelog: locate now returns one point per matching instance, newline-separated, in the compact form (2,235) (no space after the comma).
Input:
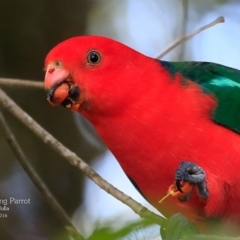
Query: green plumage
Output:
(223,81)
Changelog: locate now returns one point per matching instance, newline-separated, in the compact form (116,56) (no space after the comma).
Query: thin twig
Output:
(71,157)
(186,37)
(37,180)
(184,24)
(9,82)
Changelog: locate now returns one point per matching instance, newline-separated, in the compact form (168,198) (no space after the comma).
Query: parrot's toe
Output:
(177,227)
(192,173)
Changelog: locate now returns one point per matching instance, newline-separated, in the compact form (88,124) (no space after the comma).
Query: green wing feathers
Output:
(223,81)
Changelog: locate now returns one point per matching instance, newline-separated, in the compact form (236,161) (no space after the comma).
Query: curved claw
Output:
(179,185)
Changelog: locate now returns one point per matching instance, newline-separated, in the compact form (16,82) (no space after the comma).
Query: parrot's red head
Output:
(91,73)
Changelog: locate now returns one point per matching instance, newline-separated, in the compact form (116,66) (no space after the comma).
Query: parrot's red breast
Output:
(151,120)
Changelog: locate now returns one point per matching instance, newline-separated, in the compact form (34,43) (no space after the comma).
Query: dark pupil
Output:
(93,57)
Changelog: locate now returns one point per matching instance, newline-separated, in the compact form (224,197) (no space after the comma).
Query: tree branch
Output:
(9,82)
(37,180)
(71,157)
(186,37)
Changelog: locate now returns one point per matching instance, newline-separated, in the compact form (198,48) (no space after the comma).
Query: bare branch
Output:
(37,180)
(186,37)
(70,156)
(8,82)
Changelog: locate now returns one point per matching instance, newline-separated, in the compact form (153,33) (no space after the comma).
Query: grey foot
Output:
(191,172)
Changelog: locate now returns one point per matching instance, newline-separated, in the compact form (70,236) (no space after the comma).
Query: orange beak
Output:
(61,89)
(57,84)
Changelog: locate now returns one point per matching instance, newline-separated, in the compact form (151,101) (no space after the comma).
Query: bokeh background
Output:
(28,30)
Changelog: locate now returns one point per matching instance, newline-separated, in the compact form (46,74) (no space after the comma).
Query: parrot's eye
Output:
(57,64)
(93,57)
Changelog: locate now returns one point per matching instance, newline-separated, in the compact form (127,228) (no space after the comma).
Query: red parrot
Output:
(163,121)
